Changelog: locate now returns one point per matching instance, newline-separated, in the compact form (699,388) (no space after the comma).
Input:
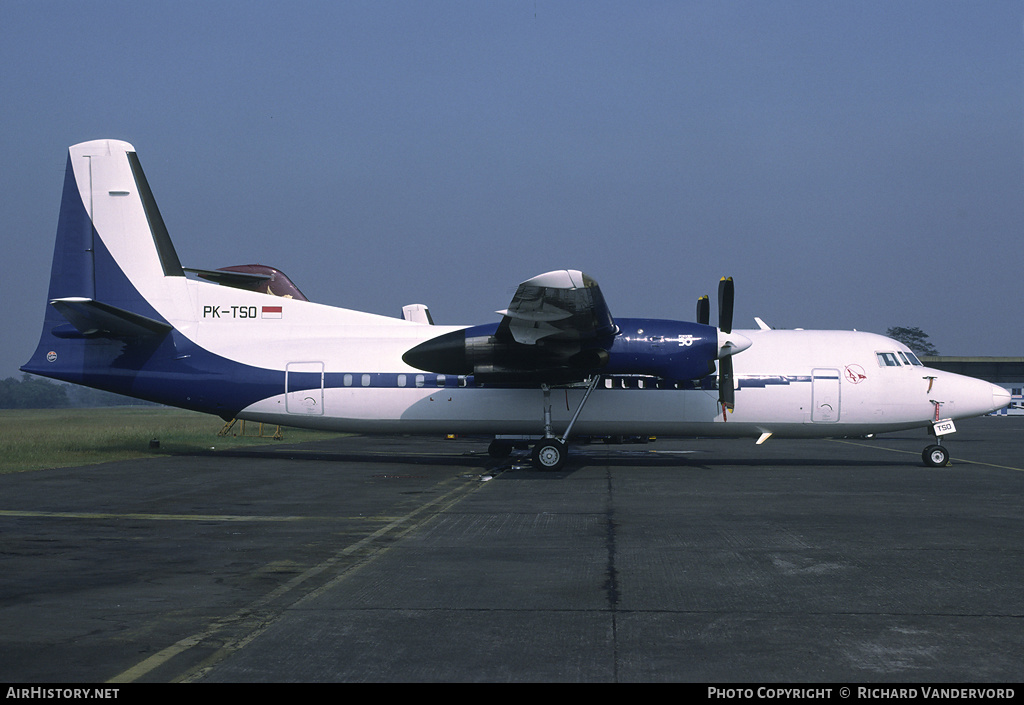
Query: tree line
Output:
(914,338)
(36,393)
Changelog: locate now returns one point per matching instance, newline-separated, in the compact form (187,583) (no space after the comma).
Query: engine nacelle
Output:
(675,350)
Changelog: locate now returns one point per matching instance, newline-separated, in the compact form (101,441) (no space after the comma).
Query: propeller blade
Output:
(726,295)
(726,386)
(704,310)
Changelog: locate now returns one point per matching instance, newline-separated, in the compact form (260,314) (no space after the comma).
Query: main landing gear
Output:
(547,453)
(551,451)
(550,454)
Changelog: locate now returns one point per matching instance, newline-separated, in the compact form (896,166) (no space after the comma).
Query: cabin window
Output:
(366,380)
(887,359)
(440,380)
(419,380)
(347,380)
(401,380)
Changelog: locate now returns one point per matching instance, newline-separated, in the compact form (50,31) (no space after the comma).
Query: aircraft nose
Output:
(974,397)
(1000,397)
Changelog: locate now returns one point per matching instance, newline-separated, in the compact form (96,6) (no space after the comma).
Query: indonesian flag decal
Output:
(272,311)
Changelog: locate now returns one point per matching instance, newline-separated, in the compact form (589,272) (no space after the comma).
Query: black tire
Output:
(499,449)
(549,454)
(935,456)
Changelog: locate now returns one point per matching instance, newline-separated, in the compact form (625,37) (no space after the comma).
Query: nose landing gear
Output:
(935,456)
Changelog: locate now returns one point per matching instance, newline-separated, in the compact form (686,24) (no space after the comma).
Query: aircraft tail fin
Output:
(116,282)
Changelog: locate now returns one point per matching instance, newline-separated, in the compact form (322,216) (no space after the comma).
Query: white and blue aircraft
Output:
(243,342)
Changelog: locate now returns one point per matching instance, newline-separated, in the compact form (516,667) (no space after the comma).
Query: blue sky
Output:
(851,164)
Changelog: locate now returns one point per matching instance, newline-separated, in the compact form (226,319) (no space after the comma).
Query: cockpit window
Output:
(887,359)
(893,359)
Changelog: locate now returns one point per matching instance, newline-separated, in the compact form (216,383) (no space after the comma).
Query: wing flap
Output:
(551,314)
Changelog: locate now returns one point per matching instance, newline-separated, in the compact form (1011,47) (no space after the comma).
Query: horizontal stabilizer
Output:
(92,318)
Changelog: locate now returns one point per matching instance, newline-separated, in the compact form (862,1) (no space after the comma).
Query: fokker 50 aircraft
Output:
(243,342)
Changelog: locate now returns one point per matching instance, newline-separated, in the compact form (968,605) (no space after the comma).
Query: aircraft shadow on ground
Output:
(476,460)
(703,461)
(520,462)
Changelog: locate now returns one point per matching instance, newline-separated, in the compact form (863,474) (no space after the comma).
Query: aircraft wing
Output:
(557,329)
(564,305)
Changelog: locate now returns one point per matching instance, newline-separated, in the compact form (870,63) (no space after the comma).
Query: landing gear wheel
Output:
(550,454)
(935,456)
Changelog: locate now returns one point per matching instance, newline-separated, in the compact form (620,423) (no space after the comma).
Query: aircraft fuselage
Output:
(125,317)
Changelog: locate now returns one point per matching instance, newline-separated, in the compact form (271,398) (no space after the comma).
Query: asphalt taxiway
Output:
(411,559)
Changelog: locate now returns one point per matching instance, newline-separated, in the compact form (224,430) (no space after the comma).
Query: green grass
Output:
(33,439)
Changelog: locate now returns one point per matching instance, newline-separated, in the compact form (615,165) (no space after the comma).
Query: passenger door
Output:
(824,395)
